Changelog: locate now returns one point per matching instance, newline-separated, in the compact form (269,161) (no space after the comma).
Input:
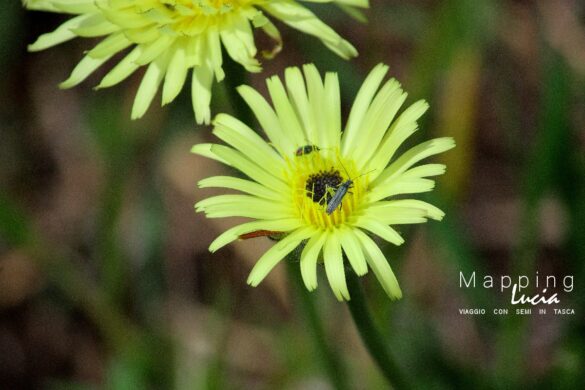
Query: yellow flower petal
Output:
(82,71)
(295,85)
(400,185)
(377,261)
(62,34)
(242,138)
(334,267)
(331,111)
(247,166)
(148,87)
(403,128)
(414,155)
(284,111)
(316,93)
(122,70)
(380,229)
(305,21)
(377,120)
(109,46)
(309,258)
(267,118)
(235,183)
(353,251)
(361,105)
(201,93)
(277,253)
(176,74)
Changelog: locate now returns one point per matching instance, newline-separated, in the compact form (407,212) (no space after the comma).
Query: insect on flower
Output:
(307,149)
(340,192)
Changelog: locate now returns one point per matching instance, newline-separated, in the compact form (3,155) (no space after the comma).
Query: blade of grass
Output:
(538,176)
(455,23)
(114,140)
(570,179)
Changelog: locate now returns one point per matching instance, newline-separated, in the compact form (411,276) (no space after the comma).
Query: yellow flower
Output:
(294,178)
(173,36)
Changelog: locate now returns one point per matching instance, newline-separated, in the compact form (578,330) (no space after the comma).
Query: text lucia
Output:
(543,284)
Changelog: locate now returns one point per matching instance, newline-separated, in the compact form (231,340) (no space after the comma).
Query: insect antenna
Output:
(364,174)
(348,176)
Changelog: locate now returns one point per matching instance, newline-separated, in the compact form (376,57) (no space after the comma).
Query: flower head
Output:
(172,37)
(294,179)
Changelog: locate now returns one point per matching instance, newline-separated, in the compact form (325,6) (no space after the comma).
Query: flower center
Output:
(320,186)
(186,17)
(315,178)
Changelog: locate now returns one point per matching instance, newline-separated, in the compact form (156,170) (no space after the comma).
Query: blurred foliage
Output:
(105,278)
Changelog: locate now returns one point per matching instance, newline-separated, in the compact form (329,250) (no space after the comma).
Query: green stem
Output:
(371,337)
(540,175)
(331,360)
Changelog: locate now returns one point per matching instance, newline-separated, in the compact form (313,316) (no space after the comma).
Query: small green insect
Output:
(338,196)
(340,192)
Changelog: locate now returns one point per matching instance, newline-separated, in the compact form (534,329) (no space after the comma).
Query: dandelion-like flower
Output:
(172,37)
(294,179)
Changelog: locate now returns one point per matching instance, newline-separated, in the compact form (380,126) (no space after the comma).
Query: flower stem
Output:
(371,337)
(331,360)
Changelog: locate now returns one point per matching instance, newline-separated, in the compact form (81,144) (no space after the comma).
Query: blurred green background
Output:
(105,277)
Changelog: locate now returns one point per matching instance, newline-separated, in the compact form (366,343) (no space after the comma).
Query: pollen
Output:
(315,178)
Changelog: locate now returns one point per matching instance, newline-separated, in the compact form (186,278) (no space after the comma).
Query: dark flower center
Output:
(317,184)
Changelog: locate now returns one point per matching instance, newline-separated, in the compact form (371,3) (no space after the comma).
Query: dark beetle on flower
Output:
(307,149)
